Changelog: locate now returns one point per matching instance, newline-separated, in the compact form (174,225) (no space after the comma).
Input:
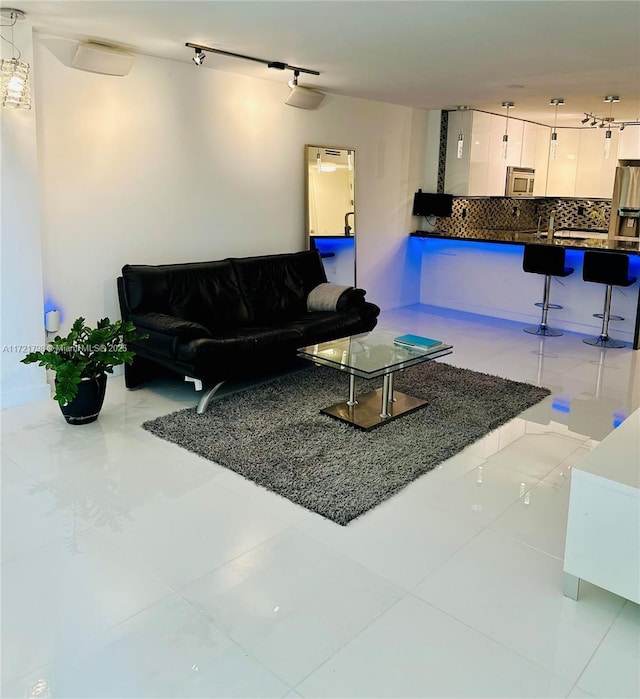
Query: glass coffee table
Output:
(369,356)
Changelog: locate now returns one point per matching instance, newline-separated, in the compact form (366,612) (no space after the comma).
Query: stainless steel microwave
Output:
(520,181)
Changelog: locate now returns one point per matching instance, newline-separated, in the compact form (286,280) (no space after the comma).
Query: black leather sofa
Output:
(231,319)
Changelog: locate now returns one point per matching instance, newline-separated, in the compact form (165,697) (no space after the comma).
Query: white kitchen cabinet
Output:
(529,144)
(482,170)
(479,143)
(497,166)
(595,174)
(541,162)
(629,143)
(579,169)
(457,169)
(561,177)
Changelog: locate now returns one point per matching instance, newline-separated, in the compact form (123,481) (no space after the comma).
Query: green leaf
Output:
(86,353)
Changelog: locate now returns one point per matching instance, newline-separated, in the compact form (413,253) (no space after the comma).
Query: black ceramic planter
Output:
(85,407)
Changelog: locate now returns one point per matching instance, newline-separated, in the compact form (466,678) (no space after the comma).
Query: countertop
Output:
(487,235)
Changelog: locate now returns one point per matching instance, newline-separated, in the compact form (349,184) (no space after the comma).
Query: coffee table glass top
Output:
(371,354)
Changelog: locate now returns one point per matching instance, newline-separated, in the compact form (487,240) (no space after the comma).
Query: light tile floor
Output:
(131,568)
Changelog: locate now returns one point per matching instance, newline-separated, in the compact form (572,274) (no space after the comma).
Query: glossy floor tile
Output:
(165,650)
(509,592)
(292,602)
(615,667)
(133,568)
(422,662)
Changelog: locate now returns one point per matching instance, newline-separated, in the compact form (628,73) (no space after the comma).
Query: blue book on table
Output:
(417,341)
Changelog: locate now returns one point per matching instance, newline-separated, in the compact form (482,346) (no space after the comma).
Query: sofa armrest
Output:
(335,297)
(351,299)
(165,332)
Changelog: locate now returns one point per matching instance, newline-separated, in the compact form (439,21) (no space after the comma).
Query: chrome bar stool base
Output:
(604,341)
(542,330)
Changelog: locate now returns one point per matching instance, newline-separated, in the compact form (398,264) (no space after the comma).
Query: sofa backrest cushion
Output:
(204,292)
(275,287)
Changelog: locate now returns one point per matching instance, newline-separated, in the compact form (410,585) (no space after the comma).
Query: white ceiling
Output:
(427,54)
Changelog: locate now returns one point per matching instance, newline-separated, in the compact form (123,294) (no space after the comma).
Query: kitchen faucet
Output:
(347,227)
(538,234)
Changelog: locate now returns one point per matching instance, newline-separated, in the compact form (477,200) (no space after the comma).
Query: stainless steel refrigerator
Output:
(625,204)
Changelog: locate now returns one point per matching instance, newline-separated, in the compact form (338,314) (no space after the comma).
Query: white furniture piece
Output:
(603,527)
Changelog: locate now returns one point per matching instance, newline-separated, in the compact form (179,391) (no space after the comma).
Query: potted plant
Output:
(81,361)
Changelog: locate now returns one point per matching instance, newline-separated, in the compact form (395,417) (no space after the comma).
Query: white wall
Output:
(174,163)
(22,320)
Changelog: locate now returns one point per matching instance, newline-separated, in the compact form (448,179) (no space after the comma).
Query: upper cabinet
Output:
(596,173)
(629,143)
(562,171)
(580,168)
(482,169)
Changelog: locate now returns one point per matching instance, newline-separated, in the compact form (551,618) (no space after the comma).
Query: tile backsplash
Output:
(503,213)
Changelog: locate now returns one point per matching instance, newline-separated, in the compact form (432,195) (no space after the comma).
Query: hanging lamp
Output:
(505,137)
(553,148)
(607,134)
(460,144)
(15,75)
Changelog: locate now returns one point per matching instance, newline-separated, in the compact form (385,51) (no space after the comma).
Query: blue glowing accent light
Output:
(618,419)
(334,244)
(51,305)
(561,403)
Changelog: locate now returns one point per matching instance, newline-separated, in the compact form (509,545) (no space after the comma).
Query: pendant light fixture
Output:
(553,148)
(505,137)
(15,88)
(350,160)
(318,162)
(607,134)
(460,146)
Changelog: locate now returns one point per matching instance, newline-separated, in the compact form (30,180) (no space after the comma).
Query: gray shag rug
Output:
(274,435)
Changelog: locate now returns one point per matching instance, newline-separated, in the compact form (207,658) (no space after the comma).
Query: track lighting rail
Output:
(278,65)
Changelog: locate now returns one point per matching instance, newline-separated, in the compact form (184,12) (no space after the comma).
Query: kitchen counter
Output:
(509,237)
(483,275)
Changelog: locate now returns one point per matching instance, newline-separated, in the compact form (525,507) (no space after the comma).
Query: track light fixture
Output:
(278,65)
(302,97)
(608,122)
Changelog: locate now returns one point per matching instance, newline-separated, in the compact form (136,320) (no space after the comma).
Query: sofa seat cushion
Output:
(240,345)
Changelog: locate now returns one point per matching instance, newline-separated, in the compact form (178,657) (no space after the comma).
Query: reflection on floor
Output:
(131,568)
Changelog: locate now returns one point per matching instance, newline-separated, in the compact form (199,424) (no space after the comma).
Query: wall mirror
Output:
(330,209)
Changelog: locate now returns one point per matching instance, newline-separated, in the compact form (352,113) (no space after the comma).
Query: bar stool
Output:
(612,269)
(547,260)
